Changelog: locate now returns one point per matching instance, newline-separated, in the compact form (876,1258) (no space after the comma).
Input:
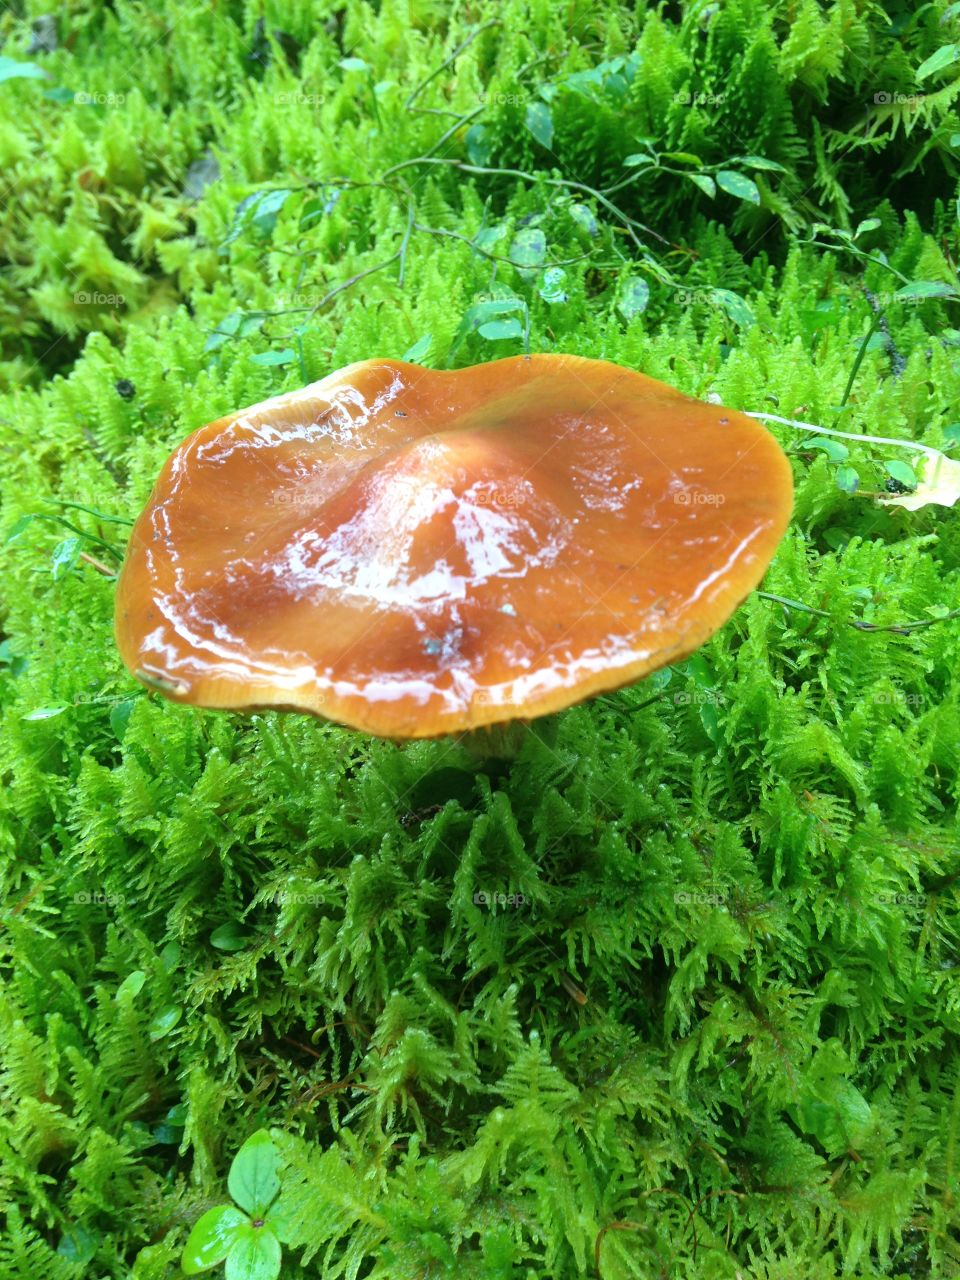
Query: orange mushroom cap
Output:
(415,553)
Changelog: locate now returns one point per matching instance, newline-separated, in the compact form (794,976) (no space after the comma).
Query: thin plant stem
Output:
(878,317)
(415,93)
(897,628)
(845,435)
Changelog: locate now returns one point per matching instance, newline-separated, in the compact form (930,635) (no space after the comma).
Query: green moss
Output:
(715,1032)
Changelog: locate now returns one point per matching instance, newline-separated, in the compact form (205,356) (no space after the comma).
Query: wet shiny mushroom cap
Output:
(415,553)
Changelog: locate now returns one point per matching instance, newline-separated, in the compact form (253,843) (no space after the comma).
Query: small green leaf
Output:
(704,182)
(710,720)
(259,210)
(19,526)
(736,307)
(926,289)
(268,358)
(265,210)
(354,64)
(488,237)
(698,667)
(847,479)
(420,350)
(280,1218)
(65,556)
(902,472)
(120,717)
(551,285)
(78,1244)
(164,1022)
(637,159)
(835,450)
(250,322)
(212,1238)
(166,1135)
(229,937)
(868,224)
(876,342)
(227,328)
(478,144)
(739,185)
(684,157)
(830,1107)
(45,713)
(584,217)
(539,121)
(822,316)
(944,57)
(11,69)
(253,1179)
(760,162)
(132,985)
(659,680)
(528,250)
(311,213)
(495,329)
(634,297)
(480,312)
(255,1255)
(8,658)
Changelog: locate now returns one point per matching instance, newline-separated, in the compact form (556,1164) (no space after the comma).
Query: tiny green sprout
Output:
(247,1234)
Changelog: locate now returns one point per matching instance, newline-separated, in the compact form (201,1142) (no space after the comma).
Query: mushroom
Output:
(416,553)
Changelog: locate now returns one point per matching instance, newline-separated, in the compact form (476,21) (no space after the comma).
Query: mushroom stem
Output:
(505,741)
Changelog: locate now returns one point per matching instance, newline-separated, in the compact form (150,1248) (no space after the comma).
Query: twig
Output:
(494,257)
(850,247)
(457,124)
(98,565)
(328,297)
(434,111)
(415,93)
(618,213)
(898,628)
(411,211)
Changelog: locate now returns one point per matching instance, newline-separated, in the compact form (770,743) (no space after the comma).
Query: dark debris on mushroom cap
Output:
(415,553)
